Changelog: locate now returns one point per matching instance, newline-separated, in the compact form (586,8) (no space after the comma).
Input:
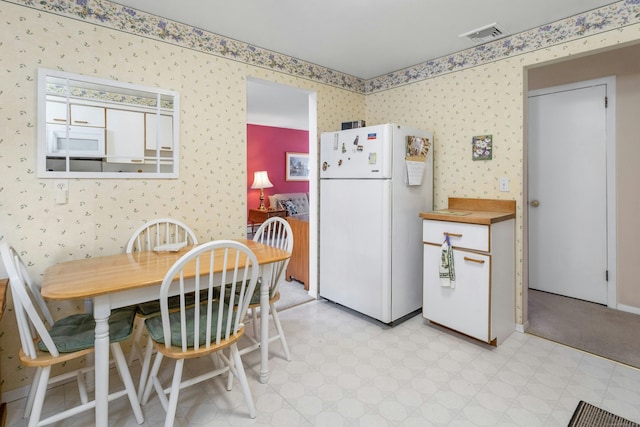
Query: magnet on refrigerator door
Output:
(417,148)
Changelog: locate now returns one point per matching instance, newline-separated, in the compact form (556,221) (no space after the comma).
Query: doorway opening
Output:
(292,113)
(616,62)
(571,190)
(621,62)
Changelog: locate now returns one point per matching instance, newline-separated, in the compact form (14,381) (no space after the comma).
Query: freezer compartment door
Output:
(355,249)
(362,153)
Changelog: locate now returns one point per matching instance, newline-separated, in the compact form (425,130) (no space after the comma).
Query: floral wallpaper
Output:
(210,195)
(613,16)
(113,15)
(475,92)
(487,99)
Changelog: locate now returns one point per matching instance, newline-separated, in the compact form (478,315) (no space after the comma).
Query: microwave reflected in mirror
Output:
(96,128)
(78,141)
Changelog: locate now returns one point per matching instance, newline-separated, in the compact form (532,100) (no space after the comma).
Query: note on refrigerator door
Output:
(415,171)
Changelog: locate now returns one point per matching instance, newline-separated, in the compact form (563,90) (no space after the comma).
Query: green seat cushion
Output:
(154,326)
(255,297)
(77,332)
(152,308)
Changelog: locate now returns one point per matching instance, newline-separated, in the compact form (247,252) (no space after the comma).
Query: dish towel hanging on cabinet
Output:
(447,270)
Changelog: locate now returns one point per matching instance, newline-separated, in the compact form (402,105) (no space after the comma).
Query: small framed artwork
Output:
(297,167)
(482,147)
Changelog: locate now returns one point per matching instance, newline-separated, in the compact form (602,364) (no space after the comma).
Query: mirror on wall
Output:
(96,128)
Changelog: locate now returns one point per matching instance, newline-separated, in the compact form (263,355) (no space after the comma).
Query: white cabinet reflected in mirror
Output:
(96,128)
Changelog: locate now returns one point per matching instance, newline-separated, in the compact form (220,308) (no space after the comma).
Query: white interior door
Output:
(567,191)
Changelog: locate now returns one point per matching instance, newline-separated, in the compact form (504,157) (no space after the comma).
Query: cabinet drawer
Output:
(461,235)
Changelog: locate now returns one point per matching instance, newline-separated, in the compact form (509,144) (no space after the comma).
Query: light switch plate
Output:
(504,184)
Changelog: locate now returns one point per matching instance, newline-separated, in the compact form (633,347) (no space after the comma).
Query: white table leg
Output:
(101,312)
(264,322)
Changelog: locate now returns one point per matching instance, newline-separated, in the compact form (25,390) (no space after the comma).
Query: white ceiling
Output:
(363,38)
(271,104)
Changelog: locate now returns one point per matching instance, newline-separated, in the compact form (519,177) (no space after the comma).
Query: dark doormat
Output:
(587,415)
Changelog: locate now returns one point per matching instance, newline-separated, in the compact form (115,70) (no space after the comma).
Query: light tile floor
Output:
(350,371)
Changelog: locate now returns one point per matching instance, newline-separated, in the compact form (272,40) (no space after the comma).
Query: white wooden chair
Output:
(274,232)
(153,234)
(160,232)
(208,326)
(66,339)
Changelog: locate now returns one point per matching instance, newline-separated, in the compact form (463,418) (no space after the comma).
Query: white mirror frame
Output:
(123,90)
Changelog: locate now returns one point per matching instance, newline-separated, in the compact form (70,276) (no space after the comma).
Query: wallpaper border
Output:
(108,14)
(607,18)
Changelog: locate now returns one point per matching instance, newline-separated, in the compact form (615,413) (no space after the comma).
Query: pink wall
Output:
(266,150)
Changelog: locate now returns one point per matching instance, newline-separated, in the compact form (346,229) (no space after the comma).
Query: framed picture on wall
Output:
(297,165)
(482,147)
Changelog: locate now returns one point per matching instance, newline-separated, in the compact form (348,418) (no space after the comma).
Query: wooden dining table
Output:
(126,279)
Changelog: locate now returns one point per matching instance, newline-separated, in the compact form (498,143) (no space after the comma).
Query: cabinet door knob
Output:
(535,203)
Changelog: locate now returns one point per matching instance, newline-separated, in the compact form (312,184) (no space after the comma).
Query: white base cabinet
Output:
(482,303)
(469,299)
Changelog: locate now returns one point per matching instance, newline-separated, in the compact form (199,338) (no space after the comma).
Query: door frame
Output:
(610,84)
(312,111)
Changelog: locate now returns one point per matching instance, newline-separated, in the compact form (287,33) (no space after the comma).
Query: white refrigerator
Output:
(374,181)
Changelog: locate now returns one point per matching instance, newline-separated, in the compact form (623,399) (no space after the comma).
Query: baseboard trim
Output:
(628,309)
(18,393)
(522,327)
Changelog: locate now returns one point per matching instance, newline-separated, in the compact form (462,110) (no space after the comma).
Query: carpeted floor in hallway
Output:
(587,326)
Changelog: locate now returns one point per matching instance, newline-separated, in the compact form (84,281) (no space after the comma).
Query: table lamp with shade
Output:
(261,181)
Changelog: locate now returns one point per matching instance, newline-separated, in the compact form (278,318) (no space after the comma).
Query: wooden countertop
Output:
(474,211)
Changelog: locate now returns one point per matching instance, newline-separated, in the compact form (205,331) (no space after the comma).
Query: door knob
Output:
(535,203)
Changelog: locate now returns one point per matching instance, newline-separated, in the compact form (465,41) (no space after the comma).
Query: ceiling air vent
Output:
(485,34)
